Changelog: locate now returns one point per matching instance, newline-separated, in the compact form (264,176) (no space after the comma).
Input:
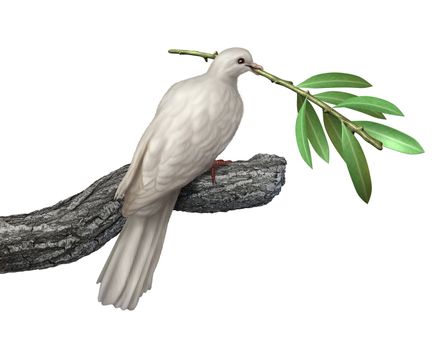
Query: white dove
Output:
(194,122)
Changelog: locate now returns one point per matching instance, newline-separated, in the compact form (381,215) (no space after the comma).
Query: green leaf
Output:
(336,97)
(315,133)
(300,101)
(301,134)
(369,103)
(332,80)
(357,166)
(333,128)
(391,138)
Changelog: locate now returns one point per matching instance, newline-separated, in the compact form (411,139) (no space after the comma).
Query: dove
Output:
(194,122)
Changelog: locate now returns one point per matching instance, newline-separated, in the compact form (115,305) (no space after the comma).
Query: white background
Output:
(315,269)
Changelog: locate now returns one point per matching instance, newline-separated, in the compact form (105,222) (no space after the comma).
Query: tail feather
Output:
(161,230)
(134,257)
(116,272)
(150,230)
(154,262)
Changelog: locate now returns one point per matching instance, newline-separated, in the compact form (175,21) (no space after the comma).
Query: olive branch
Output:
(341,130)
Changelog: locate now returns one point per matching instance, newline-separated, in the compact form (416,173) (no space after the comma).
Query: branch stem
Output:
(306,94)
(204,55)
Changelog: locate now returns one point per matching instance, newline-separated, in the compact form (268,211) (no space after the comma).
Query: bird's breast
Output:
(214,127)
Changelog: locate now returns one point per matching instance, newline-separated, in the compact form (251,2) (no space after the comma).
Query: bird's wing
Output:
(178,145)
(141,148)
(135,163)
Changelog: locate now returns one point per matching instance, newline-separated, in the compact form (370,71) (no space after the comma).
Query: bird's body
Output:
(194,122)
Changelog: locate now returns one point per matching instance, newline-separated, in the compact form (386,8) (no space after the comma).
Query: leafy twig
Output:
(306,94)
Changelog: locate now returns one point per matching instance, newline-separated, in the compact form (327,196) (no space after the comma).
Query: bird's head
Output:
(233,62)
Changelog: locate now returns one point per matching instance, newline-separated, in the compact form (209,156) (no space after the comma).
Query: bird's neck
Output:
(222,76)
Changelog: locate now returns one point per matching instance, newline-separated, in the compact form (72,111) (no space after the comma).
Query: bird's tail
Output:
(129,270)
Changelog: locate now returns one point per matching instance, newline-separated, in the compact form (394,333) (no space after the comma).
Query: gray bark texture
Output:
(81,224)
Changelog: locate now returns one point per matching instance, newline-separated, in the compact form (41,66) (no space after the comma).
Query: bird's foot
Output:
(216,164)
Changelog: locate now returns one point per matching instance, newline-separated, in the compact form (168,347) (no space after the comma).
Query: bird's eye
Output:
(240,60)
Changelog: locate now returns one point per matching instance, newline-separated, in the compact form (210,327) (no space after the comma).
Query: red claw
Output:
(216,164)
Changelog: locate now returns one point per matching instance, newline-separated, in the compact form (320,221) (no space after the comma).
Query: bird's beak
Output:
(254,67)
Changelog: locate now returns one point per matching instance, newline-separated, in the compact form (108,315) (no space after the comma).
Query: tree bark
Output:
(81,224)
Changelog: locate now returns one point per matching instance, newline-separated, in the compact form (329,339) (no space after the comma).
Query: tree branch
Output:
(306,94)
(81,224)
